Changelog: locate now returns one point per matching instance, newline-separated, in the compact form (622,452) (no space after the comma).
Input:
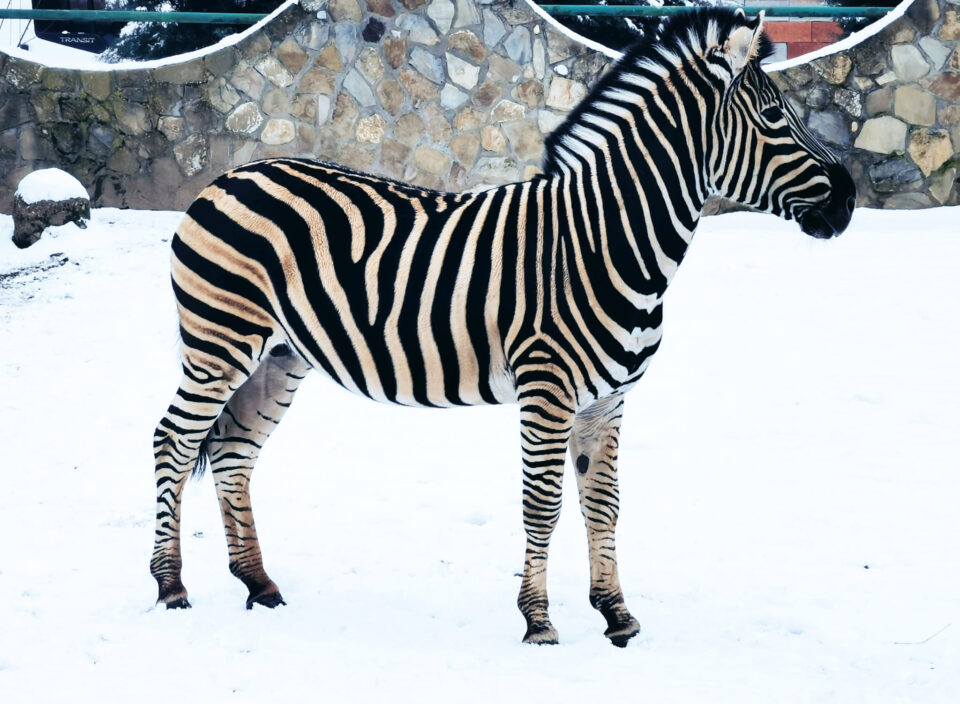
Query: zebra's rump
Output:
(393,290)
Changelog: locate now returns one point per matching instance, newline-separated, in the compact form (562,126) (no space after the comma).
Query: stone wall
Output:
(447,94)
(891,106)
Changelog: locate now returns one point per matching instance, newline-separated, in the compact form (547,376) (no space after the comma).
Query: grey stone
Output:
(428,64)
(354,84)
(937,51)
(171,127)
(818,98)
(441,12)
(907,201)
(418,30)
(891,175)
(517,45)
(879,101)
(347,39)
(830,126)
(452,97)
(276,102)
(916,106)
(849,100)
(493,29)
(191,154)
(942,185)
(908,62)
(467,13)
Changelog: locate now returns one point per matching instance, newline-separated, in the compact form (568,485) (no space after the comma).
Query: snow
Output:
(50,54)
(789,528)
(50,184)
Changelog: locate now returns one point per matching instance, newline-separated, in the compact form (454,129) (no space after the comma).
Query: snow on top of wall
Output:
(91,62)
(846,43)
(50,184)
(570,34)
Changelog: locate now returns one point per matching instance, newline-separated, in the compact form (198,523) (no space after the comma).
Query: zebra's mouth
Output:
(831,217)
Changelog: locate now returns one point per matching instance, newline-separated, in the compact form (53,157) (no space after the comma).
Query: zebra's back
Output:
(393,290)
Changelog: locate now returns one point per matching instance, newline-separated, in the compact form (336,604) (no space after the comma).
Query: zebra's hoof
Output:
(541,634)
(180,603)
(621,633)
(271,600)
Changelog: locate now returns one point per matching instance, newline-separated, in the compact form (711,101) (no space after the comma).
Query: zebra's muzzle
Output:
(830,218)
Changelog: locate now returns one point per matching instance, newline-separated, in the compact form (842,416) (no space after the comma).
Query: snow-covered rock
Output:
(47,197)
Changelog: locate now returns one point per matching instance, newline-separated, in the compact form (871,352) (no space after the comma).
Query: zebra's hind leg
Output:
(207,384)
(234,445)
(593,446)
(546,417)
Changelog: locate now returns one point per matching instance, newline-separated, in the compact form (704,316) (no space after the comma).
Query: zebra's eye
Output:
(772,114)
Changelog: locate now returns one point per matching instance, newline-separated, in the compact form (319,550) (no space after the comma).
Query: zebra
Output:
(546,293)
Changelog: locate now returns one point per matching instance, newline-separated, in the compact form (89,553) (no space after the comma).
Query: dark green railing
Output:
(253,17)
(776,11)
(133,16)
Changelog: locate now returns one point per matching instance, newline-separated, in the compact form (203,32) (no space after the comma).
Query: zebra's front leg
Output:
(594,445)
(234,446)
(546,417)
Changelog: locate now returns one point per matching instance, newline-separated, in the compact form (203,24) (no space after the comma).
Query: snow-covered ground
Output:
(790,488)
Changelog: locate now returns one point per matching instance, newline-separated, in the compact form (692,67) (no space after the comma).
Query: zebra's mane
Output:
(676,36)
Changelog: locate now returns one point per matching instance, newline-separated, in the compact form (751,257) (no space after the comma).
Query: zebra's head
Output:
(763,155)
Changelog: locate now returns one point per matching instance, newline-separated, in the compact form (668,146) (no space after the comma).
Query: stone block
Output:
(393,158)
(469,119)
(344,10)
(914,105)
(486,94)
(318,80)
(530,93)
(278,131)
(354,84)
(274,71)
(883,135)
(507,110)
(891,175)
(391,96)
(908,63)
(417,30)
(564,94)
(468,44)
(946,86)
(879,101)
(381,7)
(461,72)
(452,97)
(409,129)
(371,129)
(246,119)
(465,148)
(276,103)
(419,88)
(191,154)
(429,65)
(248,81)
(442,13)
(291,55)
(525,139)
(930,149)
(370,64)
(943,184)
(329,57)
(181,73)
(96,84)
(431,160)
(493,140)
(835,68)
(345,114)
(395,52)
(936,51)
(950,29)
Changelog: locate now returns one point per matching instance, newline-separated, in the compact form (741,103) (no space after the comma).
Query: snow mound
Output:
(50,184)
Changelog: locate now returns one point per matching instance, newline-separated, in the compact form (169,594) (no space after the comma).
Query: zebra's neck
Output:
(632,164)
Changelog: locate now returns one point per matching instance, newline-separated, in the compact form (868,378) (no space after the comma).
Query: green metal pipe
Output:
(133,16)
(650,11)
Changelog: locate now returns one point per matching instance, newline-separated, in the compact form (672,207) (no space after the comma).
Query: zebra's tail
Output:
(203,456)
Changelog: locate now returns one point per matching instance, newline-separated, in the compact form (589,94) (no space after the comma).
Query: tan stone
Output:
(247,80)
(437,124)
(343,10)
(530,93)
(465,148)
(486,94)
(835,68)
(884,135)
(930,149)
(564,94)
(880,100)
(507,110)
(357,157)
(950,29)
(180,73)
(278,131)
(468,119)
(345,114)
(276,102)
(503,70)
(381,7)
(371,129)
(525,138)
(950,115)
(390,96)
(291,55)
(420,89)
(914,105)
(393,158)
(304,107)
(493,140)
(274,71)
(96,84)
(468,44)
(395,52)
(430,160)
(222,96)
(172,127)
(132,118)
(409,129)
(329,57)
(946,86)
(955,59)
(370,64)
(318,80)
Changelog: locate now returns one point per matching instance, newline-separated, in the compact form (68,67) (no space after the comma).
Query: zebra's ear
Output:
(743,43)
